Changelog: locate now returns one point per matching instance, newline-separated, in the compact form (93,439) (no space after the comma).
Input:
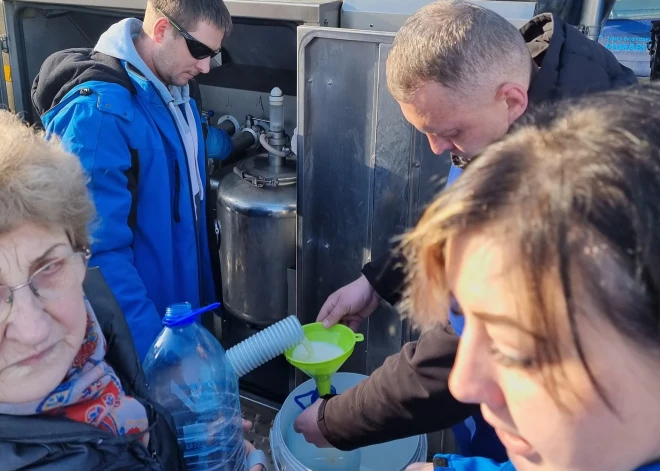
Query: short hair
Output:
(188,13)
(576,192)
(41,183)
(458,45)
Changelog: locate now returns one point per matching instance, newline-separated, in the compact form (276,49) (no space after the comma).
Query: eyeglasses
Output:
(197,49)
(50,281)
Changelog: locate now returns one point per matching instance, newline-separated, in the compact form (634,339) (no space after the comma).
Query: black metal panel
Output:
(337,171)
(392,195)
(364,175)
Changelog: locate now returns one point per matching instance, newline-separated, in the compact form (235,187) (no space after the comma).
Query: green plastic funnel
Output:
(322,372)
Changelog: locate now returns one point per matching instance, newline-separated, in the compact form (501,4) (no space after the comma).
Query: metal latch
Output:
(4,43)
(260,182)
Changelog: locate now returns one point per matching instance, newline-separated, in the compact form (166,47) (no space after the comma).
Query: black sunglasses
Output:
(197,49)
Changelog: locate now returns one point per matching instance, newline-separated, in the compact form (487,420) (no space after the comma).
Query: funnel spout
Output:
(323,384)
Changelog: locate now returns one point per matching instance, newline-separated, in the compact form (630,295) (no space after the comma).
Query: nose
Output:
(29,324)
(472,378)
(439,144)
(204,65)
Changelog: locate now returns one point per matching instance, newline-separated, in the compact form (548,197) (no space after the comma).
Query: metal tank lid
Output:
(259,171)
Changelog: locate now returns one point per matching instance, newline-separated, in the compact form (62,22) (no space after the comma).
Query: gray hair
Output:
(188,13)
(41,183)
(458,45)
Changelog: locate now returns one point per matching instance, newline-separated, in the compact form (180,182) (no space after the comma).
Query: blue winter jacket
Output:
(461,463)
(151,248)
(474,436)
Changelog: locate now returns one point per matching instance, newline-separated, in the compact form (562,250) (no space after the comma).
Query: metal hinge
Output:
(4,43)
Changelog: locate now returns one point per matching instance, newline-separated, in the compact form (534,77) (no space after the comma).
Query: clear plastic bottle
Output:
(187,374)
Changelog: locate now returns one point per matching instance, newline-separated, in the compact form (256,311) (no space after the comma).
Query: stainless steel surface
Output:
(264,171)
(319,12)
(389,15)
(257,242)
(592,14)
(363,176)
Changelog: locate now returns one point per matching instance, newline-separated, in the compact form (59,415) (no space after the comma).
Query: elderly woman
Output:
(61,405)
(69,400)
(549,247)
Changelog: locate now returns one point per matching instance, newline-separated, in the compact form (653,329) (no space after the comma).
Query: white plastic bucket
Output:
(390,456)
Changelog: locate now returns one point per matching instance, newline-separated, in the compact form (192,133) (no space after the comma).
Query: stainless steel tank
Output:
(256,212)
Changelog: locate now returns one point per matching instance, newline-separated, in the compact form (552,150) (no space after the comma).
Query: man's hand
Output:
(306,424)
(249,447)
(349,305)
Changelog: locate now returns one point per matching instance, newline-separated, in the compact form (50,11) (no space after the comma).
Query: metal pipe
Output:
(227,126)
(242,141)
(592,16)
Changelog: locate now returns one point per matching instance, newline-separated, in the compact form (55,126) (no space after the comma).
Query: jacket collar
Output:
(545,36)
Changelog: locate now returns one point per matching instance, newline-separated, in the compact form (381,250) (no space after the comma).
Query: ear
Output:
(515,97)
(161,26)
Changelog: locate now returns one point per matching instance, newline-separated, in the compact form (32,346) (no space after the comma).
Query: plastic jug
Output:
(187,373)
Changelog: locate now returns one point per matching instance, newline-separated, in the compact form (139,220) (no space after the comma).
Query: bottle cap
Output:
(182,314)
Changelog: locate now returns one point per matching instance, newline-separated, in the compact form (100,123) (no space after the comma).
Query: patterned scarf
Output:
(90,392)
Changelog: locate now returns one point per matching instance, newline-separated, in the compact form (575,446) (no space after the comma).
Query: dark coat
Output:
(46,443)
(409,394)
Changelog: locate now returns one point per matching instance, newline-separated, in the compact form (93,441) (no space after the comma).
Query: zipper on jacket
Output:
(177,191)
(190,193)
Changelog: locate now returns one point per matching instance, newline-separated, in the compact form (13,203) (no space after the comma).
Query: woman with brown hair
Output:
(548,247)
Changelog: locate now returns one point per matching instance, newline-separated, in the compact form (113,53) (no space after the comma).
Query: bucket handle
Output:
(314,393)
(359,337)
(297,399)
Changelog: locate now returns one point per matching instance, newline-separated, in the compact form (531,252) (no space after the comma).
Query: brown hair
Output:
(577,189)
(458,45)
(188,13)
(41,183)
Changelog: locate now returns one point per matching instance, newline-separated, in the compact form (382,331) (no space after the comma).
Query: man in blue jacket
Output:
(125,109)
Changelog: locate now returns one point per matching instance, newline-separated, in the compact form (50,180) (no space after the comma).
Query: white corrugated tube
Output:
(266,345)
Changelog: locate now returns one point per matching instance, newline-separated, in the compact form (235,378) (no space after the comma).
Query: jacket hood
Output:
(570,64)
(64,70)
(118,41)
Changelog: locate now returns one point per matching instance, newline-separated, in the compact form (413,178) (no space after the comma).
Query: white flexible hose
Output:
(271,149)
